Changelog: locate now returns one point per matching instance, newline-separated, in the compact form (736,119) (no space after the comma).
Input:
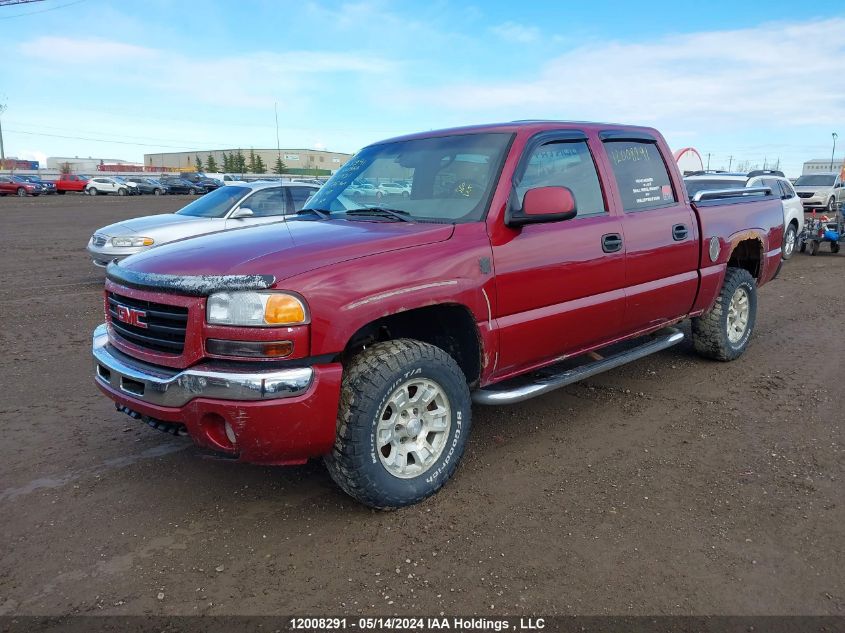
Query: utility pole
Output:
(730,162)
(278,146)
(2,150)
(833,151)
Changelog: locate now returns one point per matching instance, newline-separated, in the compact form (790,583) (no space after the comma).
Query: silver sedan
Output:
(244,204)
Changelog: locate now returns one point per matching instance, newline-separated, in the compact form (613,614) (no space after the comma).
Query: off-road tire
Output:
(368,382)
(710,330)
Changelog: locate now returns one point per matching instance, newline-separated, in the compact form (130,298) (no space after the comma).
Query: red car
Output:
(71,182)
(17,186)
(525,256)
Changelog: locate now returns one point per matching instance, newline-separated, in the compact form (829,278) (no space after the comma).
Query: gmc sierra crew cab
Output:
(526,256)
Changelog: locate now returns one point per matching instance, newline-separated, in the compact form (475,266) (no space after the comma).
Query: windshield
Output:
(694,186)
(452,178)
(816,180)
(215,204)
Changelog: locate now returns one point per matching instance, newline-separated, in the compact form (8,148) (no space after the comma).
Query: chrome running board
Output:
(519,389)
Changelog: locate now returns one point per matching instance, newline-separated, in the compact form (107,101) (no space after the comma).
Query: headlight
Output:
(255,309)
(132,241)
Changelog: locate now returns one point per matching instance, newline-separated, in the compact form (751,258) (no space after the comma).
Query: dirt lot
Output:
(671,486)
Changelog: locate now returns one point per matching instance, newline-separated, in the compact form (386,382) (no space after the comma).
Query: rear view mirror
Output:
(545,204)
(242,212)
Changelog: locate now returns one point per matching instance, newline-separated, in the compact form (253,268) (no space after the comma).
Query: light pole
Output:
(833,151)
(2,150)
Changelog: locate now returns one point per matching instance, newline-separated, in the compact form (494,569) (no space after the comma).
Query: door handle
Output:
(679,232)
(611,242)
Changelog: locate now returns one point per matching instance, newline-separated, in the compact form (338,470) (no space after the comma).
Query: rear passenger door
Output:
(659,229)
(559,285)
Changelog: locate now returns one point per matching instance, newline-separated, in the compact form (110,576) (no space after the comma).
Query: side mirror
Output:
(242,212)
(544,204)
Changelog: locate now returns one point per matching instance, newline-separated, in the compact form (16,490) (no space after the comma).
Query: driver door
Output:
(267,205)
(560,285)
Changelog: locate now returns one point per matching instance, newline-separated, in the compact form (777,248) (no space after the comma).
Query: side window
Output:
(266,203)
(299,196)
(641,175)
(773,184)
(565,164)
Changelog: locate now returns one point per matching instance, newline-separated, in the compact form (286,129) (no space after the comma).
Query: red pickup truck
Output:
(525,256)
(71,182)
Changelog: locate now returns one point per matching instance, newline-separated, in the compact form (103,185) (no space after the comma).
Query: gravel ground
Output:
(673,485)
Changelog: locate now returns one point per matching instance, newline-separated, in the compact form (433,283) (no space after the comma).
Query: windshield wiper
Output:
(398,214)
(323,214)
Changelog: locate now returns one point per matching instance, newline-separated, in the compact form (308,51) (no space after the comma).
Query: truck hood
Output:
(284,249)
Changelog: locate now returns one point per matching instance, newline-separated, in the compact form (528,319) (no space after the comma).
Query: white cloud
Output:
(773,74)
(261,77)
(517,33)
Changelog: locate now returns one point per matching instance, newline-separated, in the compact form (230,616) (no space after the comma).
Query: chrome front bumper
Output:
(167,387)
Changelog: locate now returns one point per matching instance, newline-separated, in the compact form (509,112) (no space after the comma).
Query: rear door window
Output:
(641,175)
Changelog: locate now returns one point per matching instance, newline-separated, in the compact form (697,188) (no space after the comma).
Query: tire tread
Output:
(363,380)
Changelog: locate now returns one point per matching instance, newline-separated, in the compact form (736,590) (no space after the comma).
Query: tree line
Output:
(237,163)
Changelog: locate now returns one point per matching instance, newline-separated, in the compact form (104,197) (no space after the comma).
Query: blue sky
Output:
(755,81)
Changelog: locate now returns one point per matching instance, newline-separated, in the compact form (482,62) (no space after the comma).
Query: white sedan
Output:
(223,209)
(394,189)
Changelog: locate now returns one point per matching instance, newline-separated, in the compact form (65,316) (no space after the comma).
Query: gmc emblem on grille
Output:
(130,316)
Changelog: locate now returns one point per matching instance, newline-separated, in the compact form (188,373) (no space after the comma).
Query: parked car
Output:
(100,185)
(149,185)
(793,210)
(362,332)
(133,188)
(820,191)
(364,190)
(180,185)
(16,185)
(394,189)
(226,179)
(220,210)
(71,182)
(48,186)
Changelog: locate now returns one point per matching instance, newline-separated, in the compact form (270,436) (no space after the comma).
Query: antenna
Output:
(276,112)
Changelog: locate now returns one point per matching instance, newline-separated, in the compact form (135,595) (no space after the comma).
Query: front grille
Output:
(805,194)
(166,324)
(99,240)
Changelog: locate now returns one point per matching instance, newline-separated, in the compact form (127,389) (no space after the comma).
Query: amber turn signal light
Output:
(249,349)
(283,309)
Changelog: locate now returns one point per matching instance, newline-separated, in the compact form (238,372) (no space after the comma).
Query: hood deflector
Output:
(193,285)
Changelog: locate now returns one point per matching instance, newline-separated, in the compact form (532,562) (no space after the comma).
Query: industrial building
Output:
(297,161)
(823,166)
(81,165)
